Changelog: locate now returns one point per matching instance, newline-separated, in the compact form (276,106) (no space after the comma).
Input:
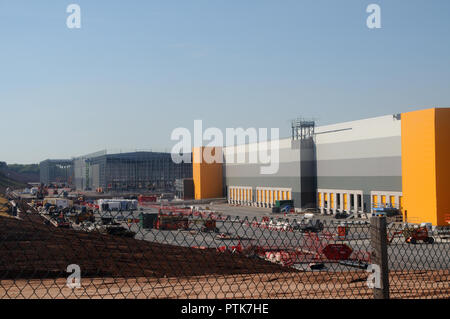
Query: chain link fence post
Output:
(379,243)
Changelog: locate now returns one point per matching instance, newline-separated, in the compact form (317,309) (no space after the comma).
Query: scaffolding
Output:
(135,171)
(56,171)
(302,129)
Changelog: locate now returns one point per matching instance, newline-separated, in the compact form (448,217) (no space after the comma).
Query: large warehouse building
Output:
(338,167)
(397,160)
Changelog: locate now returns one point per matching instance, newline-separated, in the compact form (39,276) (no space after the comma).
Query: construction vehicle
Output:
(36,203)
(312,226)
(148,220)
(413,235)
(41,193)
(171,221)
(60,221)
(80,200)
(316,250)
(210,225)
(84,215)
(51,210)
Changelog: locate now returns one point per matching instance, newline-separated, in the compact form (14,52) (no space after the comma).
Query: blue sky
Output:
(138,69)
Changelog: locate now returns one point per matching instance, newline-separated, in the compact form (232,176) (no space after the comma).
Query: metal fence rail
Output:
(183,254)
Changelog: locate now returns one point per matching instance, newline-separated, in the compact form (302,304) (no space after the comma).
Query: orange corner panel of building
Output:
(425,165)
(207,172)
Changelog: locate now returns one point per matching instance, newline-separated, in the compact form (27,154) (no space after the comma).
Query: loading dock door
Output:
(392,200)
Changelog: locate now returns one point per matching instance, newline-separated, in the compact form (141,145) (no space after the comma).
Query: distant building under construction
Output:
(127,171)
(56,171)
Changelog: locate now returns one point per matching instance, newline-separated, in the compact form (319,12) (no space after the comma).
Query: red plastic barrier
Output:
(146,199)
(337,251)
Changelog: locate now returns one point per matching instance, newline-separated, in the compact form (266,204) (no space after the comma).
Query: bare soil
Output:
(323,285)
(34,258)
(31,250)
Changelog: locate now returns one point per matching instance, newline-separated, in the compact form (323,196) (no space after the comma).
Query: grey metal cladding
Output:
(377,166)
(285,155)
(367,165)
(296,170)
(376,147)
(95,175)
(253,170)
(364,183)
(297,198)
(289,165)
(262,181)
(292,162)
(295,144)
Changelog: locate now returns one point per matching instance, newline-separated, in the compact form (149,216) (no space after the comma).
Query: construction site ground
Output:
(401,254)
(30,249)
(162,264)
(323,285)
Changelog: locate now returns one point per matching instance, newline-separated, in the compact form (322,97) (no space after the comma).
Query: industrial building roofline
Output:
(350,130)
(119,153)
(68,161)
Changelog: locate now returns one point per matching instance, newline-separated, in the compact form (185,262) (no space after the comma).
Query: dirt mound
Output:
(30,249)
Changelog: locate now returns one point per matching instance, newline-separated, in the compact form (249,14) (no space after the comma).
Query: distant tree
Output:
(24,169)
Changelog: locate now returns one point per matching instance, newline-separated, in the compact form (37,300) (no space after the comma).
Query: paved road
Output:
(401,255)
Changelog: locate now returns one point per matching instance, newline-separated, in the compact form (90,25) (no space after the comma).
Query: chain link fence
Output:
(181,253)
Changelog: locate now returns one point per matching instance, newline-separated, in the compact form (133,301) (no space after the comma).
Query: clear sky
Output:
(138,69)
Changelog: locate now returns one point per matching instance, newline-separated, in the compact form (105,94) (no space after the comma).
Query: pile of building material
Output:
(5,207)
